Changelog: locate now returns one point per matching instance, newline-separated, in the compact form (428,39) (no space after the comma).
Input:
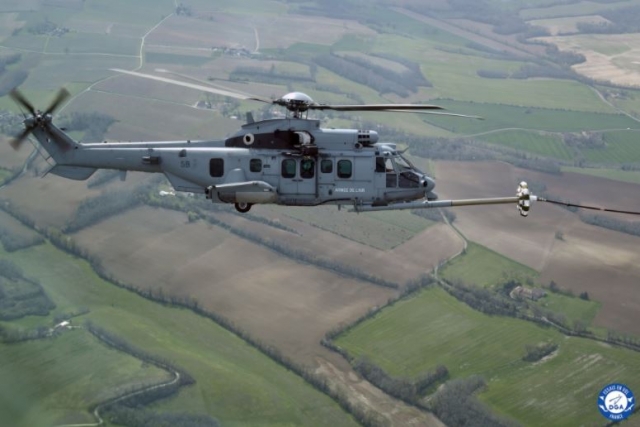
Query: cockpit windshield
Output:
(402,163)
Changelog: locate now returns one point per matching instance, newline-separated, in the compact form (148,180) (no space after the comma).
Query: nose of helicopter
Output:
(428,184)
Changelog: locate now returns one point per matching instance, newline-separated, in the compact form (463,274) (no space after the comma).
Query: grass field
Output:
(483,267)
(457,79)
(573,308)
(567,25)
(235,383)
(53,381)
(509,117)
(615,174)
(94,43)
(382,230)
(621,147)
(434,328)
(532,142)
(573,9)
(170,58)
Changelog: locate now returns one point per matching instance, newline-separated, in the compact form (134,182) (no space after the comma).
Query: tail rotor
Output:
(37,118)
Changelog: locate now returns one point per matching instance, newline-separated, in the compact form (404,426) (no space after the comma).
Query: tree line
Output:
(95,125)
(534,353)
(620,20)
(363,71)
(63,242)
(95,209)
(272,75)
(21,296)
(279,247)
(130,409)
(405,389)
(456,405)
(628,227)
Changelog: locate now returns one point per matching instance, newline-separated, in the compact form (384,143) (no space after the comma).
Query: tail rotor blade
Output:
(21,100)
(62,95)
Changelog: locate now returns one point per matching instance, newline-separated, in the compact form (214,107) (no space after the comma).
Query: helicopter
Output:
(289,161)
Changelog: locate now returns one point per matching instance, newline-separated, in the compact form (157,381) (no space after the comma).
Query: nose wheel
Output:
(243,207)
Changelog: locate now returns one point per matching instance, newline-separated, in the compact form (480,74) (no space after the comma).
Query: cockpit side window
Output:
(255,165)
(344,169)
(288,168)
(326,166)
(307,168)
(216,168)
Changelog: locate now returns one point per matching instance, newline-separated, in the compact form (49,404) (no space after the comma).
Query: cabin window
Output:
(326,166)
(216,167)
(345,169)
(288,168)
(307,168)
(255,165)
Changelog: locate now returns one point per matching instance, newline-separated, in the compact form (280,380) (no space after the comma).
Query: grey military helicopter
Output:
(288,161)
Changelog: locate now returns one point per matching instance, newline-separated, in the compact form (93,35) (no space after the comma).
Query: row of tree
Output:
(129,409)
(63,242)
(628,227)
(95,209)
(621,20)
(482,299)
(21,296)
(410,288)
(456,405)
(534,353)
(405,389)
(279,247)
(272,75)
(365,72)
(94,125)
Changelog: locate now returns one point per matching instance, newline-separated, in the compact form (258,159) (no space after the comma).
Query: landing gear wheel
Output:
(243,207)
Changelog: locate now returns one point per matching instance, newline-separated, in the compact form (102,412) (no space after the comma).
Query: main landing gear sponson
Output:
(243,207)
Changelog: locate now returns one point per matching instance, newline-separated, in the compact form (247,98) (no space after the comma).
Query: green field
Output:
(171,58)
(456,79)
(434,328)
(521,118)
(235,383)
(615,174)
(53,381)
(483,267)
(573,9)
(94,43)
(143,13)
(382,230)
(532,142)
(621,147)
(573,308)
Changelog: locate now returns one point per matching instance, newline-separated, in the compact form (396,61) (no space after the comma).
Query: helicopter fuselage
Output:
(290,162)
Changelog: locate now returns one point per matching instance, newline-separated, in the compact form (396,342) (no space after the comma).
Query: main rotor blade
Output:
(18,140)
(222,92)
(376,107)
(433,113)
(21,100)
(62,95)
